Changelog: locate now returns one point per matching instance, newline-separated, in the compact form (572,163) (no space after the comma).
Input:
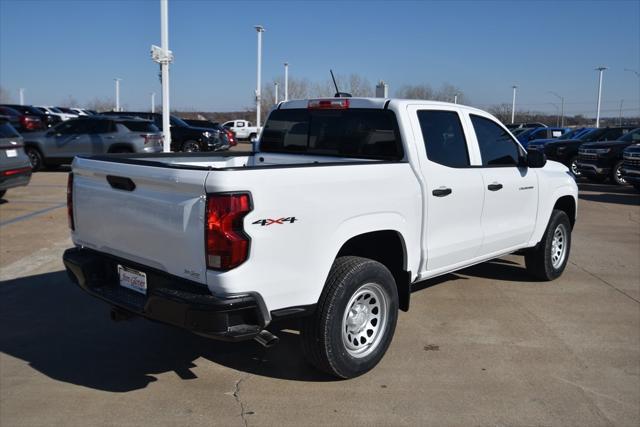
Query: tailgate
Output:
(159,223)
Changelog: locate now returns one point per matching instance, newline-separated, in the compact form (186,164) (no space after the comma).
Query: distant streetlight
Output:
(561,108)
(455,98)
(275,97)
(117,80)
(260,30)
(557,111)
(153,102)
(21,96)
(513,104)
(286,81)
(600,70)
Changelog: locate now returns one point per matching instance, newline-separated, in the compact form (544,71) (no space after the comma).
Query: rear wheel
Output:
(616,174)
(573,166)
(355,318)
(190,147)
(549,258)
(35,157)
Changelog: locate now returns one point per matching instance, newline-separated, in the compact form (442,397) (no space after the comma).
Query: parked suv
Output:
(631,166)
(184,137)
(15,169)
(540,133)
(213,125)
(566,151)
(93,135)
(601,160)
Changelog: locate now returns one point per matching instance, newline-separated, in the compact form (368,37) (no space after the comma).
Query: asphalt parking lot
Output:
(486,346)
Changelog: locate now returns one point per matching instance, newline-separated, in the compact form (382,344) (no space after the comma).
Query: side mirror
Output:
(536,159)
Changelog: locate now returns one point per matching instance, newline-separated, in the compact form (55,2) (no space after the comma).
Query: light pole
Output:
(163,56)
(455,98)
(286,81)
(153,102)
(275,97)
(637,75)
(557,112)
(117,80)
(21,96)
(561,106)
(601,70)
(260,30)
(620,117)
(513,104)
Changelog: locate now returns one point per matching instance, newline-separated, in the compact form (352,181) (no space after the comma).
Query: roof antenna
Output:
(338,93)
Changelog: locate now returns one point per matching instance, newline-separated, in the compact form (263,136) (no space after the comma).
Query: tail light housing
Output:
(328,104)
(30,123)
(227,245)
(72,224)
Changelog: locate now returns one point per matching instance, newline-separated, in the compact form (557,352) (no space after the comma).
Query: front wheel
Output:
(573,165)
(190,147)
(354,320)
(616,174)
(548,260)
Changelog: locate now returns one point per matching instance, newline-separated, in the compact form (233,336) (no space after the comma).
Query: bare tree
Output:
(502,112)
(448,92)
(422,91)
(5,96)
(99,105)
(69,101)
(360,86)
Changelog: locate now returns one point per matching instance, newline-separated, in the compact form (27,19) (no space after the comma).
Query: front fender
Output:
(545,207)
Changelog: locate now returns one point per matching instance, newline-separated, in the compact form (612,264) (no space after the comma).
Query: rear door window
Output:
(444,138)
(359,133)
(140,126)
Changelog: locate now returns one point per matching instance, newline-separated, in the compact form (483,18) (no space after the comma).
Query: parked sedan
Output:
(601,160)
(566,151)
(631,166)
(92,135)
(15,168)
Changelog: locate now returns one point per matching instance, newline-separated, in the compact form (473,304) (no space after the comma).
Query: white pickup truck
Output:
(343,206)
(242,129)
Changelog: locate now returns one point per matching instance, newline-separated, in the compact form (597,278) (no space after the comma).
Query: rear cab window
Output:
(444,138)
(358,133)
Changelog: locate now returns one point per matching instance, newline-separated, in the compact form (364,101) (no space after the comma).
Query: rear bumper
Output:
(15,179)
(169,299)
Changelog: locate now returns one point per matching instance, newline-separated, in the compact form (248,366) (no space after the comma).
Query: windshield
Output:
(633,136)
(176,121)
(594,135)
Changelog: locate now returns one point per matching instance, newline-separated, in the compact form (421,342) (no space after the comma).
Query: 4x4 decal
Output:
(269,221)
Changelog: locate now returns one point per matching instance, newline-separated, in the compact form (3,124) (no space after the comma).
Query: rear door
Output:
(150,215)
(453,204)
(510,190)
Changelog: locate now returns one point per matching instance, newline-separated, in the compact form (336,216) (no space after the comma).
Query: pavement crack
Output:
(236,395)
(605,282)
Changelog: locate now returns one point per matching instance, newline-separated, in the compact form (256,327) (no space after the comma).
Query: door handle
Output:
(441,192)
(494,187)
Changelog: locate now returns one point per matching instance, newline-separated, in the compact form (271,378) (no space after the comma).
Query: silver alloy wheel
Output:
(574,168)
(191,147)
(365,319)
(619,177)
(559,246)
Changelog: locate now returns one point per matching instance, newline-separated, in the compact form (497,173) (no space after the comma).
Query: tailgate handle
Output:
(121,182)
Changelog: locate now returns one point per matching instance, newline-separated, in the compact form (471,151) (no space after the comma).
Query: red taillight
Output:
(30,123)
(328,104)
(226,243)
(72,224)
(11,172)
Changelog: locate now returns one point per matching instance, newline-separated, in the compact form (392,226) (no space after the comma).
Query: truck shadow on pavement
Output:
(607,193)
(67,335)
(60,331)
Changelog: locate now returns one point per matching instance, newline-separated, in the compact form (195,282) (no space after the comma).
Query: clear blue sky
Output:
(59,48)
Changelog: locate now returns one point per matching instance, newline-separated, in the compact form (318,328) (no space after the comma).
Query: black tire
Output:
(598,179)
(190,147)
(541,261)
(573,167)
(35,157)
(2,193)
(353,284)
(616,174)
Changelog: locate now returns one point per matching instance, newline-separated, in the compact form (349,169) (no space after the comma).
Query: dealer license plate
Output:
(132,279)
(12,153)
